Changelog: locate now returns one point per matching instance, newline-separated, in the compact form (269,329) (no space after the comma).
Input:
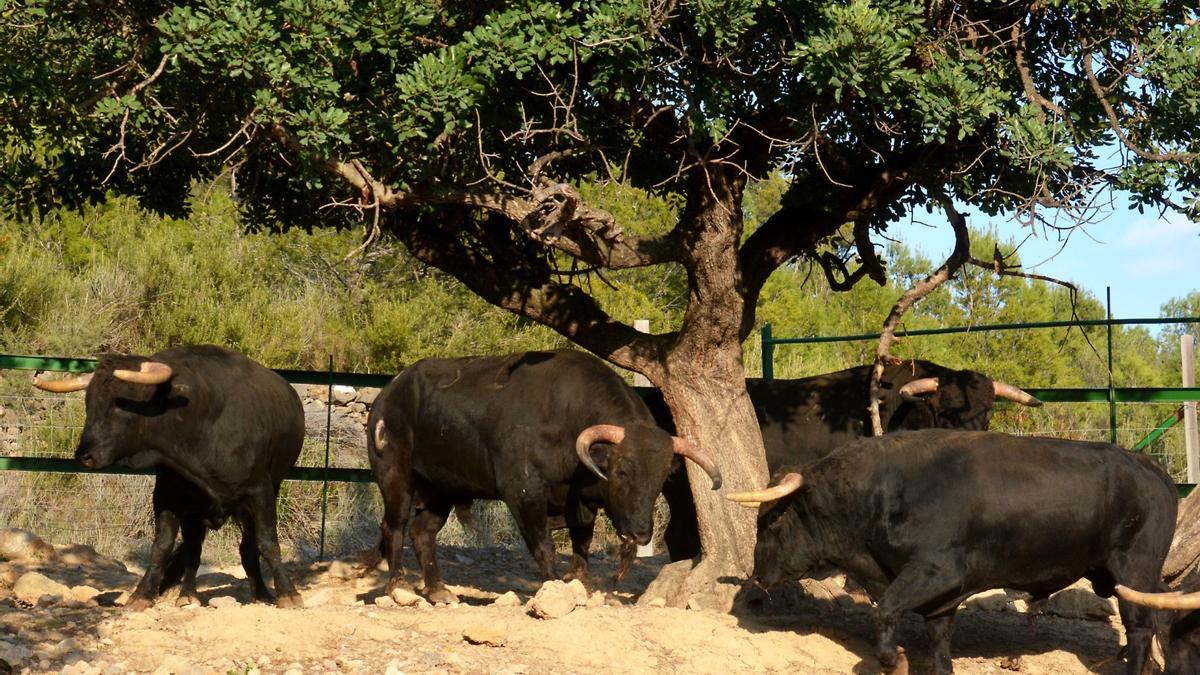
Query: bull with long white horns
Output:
(220,431)
(556,435)
(924,519)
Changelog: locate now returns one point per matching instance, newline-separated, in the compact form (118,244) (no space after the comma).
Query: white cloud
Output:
(1174,229)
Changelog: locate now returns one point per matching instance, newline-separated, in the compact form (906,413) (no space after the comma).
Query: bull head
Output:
(785,549)
(119,401)
(635,468)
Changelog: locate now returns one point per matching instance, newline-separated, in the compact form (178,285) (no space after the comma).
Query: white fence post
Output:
(1187,350)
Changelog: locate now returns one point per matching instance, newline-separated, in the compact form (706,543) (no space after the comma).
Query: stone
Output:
(318,597)
(1080,603)
(485,635)
(556,599)
(14,655)
(393,667)
(173,664)
(406,598)
(507,599)
(358,407)
(25,547)
(367,395)
(84,593)
(596,599)
(32,586)
(385,601)
(342,394)
(223,601)
(995,600)
(657,602)
(319,392)
(63,648)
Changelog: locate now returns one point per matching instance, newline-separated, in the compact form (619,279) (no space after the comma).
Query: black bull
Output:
(221,432)
(804,419)
(552,434)
(925,519)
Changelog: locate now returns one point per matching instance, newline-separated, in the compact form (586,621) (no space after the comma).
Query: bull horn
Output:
(608,433)
(685,448)
(1005,390)
(1171,600)
(923,385)
(790,483)
(63,386)
(150,372)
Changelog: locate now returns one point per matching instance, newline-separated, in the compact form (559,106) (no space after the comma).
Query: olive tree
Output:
(465,130)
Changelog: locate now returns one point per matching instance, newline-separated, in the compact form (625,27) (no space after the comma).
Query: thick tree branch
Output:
(960,255)
(563,307)
(552,215)
(798,229)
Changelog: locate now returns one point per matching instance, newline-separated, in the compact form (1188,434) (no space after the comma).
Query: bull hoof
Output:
(187,600)
(293,601)
(442,596)
(137,603)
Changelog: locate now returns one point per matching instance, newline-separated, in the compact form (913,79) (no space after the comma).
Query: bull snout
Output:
(89,455)
(639,538)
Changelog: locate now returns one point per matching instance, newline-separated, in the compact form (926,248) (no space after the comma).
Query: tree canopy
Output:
(477,122)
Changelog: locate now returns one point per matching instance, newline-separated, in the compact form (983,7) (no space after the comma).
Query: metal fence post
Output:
(325,477)
(1112,392)
(768,353)
(1192,447)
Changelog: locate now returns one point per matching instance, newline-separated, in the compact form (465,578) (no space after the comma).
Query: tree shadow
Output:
(1003,637)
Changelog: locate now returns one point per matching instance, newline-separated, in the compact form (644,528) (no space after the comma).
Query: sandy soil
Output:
(343,631)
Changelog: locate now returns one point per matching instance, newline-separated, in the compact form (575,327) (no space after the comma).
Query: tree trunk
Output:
(1180,570)
(704,385)
(717,415)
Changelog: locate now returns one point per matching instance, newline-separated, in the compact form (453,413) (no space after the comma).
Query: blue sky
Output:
(1147,260)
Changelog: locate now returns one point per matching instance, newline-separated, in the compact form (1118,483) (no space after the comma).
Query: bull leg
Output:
(185,561)
(1139,623)
(931,586)
(263,514)
(530,511)
(166,526)
(939,629)
(425,526)
(581,545)
(394,486)
(248,552)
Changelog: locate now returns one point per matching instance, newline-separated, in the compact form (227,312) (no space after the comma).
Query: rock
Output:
(81,555)
(406,598)
(508,599)
(294,671)
(223,601)
(14,655)
(657,602)
(1080,603)
(32,586)
(596,599)
(63,648)
(995,600)
(84,593)
(8,576)
(319,393)
(314,408)
(385,601)
(394,668)
(26,547)
(342,394)
(366,395)
(823,589)
(358,407)
(485,635)
(318,597)
(557,599)
(173,665)
(341,569)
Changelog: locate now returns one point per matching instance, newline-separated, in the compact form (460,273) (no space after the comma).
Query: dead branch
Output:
(960,254)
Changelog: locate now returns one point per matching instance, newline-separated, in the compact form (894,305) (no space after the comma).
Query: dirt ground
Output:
(342,630)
